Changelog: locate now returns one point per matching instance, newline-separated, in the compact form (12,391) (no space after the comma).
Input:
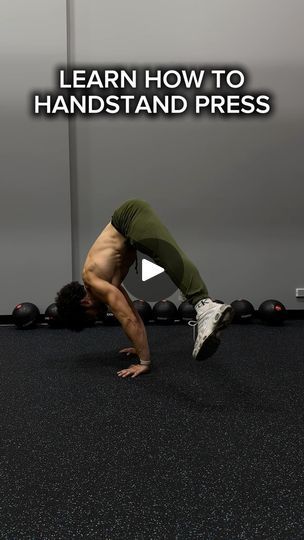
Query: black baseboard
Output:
(292,314)
(8,319)
(295,314)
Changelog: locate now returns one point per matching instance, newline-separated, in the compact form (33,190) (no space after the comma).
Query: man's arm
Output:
(123,309)
(127,297)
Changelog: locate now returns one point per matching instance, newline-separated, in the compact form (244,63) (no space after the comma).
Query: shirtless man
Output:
(132,227)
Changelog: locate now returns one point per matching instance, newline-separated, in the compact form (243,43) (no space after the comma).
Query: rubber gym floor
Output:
(192,450)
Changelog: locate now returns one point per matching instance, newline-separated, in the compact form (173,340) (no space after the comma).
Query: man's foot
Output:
(211,319)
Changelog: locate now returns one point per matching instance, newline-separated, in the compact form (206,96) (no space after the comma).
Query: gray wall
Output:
(34,155)
(230,191)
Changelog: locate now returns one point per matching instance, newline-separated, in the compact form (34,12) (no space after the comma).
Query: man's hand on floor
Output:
(133,370)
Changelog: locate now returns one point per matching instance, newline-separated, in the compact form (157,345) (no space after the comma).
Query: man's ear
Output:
(85,301)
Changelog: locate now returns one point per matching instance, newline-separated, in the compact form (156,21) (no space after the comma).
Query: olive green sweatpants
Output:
(139,224)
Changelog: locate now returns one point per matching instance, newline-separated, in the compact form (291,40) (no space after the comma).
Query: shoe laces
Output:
(201,319)
(193,325)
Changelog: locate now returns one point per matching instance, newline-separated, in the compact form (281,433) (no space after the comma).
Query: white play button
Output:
(147,280)
(149,270)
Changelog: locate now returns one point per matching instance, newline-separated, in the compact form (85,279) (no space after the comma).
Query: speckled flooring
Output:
(192,450)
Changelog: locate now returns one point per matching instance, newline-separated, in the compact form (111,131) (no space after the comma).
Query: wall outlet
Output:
(300,293)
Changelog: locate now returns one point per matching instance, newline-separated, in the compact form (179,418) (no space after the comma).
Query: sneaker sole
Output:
(208,348)
(212,342)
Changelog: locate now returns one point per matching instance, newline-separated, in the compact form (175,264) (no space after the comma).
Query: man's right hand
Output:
(129,351)
(134,370)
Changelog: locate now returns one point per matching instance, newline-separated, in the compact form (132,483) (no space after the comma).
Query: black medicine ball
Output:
(109,318)
(186,311)
(144,309)
(165,312)
(51,316)
(25,315)
(243,311)
(272,312)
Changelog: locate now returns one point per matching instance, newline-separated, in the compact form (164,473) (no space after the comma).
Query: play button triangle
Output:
(149,270)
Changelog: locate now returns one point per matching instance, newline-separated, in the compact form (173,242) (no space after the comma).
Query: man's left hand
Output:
(133,370)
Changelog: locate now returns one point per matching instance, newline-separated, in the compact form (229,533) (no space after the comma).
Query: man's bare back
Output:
(109,258)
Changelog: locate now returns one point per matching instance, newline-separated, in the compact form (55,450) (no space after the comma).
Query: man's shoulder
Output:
(92,277)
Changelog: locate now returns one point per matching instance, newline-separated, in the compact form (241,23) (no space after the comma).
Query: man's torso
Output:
(109,258)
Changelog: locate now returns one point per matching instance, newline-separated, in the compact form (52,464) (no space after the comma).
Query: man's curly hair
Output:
(71,313)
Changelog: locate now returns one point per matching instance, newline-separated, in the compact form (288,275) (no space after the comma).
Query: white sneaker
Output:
(211,319)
